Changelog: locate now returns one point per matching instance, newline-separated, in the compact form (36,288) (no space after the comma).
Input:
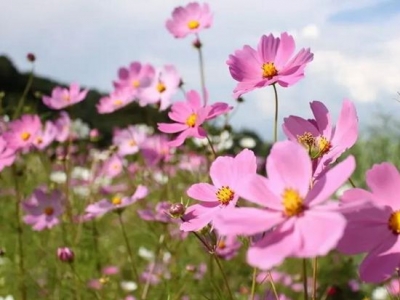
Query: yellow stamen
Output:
(132,143)
(136,83)
(191,120)
(292,202)
(324,145)
(66,98)
(394,222)
(225,195)
(116,200)
(315,146)
(48,211)
(25,136)
(269,70)
(39,140)
(118,102)
(193,24)
(161,87)
(221,244)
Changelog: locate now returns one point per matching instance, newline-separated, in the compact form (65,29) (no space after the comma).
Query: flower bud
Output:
(31,57)
(177,210)
(65,254)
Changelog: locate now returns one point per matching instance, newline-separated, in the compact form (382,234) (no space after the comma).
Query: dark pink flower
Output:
(65,254)
(63,97)
(189,116)
(189,19)
(271,63)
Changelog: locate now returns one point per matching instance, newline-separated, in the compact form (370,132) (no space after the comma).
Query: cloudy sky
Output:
(356,46)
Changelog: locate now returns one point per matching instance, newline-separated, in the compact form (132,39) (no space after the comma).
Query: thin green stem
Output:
(223,275)
(253,283)
(21,261)
(202,77)
(271,280)
(352,183)
(315,271)
(128,247)
(305,286)
(276,114)
(212,147)
(21,100)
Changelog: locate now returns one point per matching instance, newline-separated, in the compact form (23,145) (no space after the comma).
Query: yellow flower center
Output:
(225,195)
(269,70)
(48,211)
(136,83)
(191,120)
(193,24)
(39,140)
(66,98)
(315,146)
(118,102)
(292,202)
(104,280)
(221,245)
(116,200)
(161,87)
(132,143)
(394,222)
(25,136)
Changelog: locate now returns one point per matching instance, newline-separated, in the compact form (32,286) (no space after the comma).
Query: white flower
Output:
(9,297)
(247,142)
(58,177)
(83,191)
(80,173)
(128,286)
(80,128)
(146,253)
(380,293)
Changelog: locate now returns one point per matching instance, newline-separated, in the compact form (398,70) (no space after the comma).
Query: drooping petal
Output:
(199,215)
(203,192)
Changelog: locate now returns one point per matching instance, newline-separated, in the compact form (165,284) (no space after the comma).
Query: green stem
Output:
(21,261)
(128,247)
(253,284)
(276,115)
(212,147)
(223,275)
(352,183)
(315,270)
(305,287)
(21,100)
(271,280)
(202,77)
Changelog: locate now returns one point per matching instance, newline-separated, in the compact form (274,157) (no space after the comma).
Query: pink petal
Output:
(294,126)
(171,127)
(221,171)
(193,99)
(199,215)
(203,192)
(285,50)
(267,48)
(323,118)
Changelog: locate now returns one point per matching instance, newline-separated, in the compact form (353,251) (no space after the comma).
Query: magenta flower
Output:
(63,97)
(135,78)
(271,63)
(299,215)
(22,132)
(164,86)
(189,115)
(158,213)
(7,155)
(374,228)
(156,149)
(117,202)
(128,140)
(227,175)
(323,141)
(65,254)
(63,126)
(115,101)
(43,208)
(189,19)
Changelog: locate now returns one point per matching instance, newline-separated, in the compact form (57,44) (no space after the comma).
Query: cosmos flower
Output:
(271,63)
(22,132)
(63,97)
(192,18)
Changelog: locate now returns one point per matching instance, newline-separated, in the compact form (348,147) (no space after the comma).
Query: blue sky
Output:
(356,56)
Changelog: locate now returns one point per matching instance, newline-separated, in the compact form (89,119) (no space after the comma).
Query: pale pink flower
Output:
(63,126)
(7,155)
(117,202)
(45,136)
(324,141)
(156,149)
(189,19)
(22,132)
(227,175)
(43,209)
(63,97)
(189,116)
(297,213)
(112,166)
(135,77)
(271,63)
(375,226)
(164,86)
(129,140)
(115,101)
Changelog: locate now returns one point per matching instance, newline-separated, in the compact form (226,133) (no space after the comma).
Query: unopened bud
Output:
(65,254)
(31,57)
(177,210)
(197,44)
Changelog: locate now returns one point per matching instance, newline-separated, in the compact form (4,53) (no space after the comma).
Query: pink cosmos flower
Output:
(112,166)
(159,213)
(189,19)
(115,101)
(43,208)
(323,141)
(164,86)
(45,136)
(227,175)
(118,202)
(374,227)
(189,115)
(135,78)
(22,132)
(271,63)
(7,155)
(63,97)
(156,149)
(295,217)
(128,140)
(228,247)
(63,126)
